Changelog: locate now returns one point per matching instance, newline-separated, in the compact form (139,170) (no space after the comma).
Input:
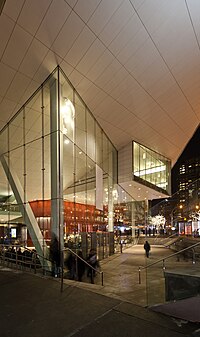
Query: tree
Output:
(195,216)
(157,220)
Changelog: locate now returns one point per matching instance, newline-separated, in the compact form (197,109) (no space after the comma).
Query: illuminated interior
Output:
(151,168)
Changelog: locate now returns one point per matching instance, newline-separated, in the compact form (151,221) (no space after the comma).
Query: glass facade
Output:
(59,169)
(151,169)
(58,172)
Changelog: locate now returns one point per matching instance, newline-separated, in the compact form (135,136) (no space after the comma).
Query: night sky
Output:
(192,150)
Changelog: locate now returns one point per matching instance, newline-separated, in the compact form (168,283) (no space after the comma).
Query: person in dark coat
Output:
(54,255)
(71,266)
(80,265)
(147,248)
(93,262)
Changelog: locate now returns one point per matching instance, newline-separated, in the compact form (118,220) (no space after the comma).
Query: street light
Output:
(172,214)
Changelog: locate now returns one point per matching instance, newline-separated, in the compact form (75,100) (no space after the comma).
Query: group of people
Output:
(77,265)
(16,254)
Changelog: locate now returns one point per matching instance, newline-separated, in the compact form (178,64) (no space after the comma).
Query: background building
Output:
(185,198)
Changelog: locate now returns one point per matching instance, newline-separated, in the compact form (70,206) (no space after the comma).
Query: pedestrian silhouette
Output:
(80,265)
(54,255)
(147,248)
(94,263)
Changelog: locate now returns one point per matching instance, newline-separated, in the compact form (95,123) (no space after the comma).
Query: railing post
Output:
(35,269)
(139,275)
(193,256)
(16,259)
(62,270)
(4,257)
(164,264)
(102,279)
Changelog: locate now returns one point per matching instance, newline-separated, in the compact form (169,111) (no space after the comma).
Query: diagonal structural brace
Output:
(26,210)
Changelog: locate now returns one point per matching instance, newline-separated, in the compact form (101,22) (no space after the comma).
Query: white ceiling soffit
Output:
(135,63)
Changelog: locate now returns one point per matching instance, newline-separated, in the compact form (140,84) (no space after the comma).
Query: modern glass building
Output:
(59,171)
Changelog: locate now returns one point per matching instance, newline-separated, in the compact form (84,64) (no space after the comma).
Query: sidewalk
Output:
(34,306)
(121,275)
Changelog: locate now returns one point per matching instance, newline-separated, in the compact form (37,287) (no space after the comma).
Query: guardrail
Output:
(86,263)
(168,257)
(19,260)
(32,263)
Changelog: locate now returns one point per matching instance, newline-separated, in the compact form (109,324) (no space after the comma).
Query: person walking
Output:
(54,255)
(80,266)
(94,263)
(147,248)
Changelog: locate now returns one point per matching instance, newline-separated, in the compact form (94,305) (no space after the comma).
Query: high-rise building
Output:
(186,176)
(189,183)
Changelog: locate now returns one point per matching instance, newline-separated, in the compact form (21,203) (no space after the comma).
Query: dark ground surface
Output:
(34,306)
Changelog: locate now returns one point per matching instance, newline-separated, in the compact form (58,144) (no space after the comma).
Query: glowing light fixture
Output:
(150,171)
(68,113)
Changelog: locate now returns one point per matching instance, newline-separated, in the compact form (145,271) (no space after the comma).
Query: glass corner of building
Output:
(151,168)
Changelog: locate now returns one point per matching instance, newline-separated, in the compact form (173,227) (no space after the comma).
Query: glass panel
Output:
(4,185)
(80,124)
(68,169)
(81,189)
(34,171)
(91,184)
(47,169)
(16,136)
(99,146)
(67,108)
(16,162)
(90,136)
(33,119)
(46,109)
(68,187)
(112,162)
(91,181)
(80,176)
(115,164)
(105,153)
(136,158)
(170,279)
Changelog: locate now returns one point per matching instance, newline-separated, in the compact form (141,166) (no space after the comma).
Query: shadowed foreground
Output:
(34,306)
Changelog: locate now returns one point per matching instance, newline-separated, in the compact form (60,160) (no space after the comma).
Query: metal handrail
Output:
(71,251)
(166,258)
(159,236)
(20,259)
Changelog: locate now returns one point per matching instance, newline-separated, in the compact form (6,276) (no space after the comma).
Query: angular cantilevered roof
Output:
(135,63)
